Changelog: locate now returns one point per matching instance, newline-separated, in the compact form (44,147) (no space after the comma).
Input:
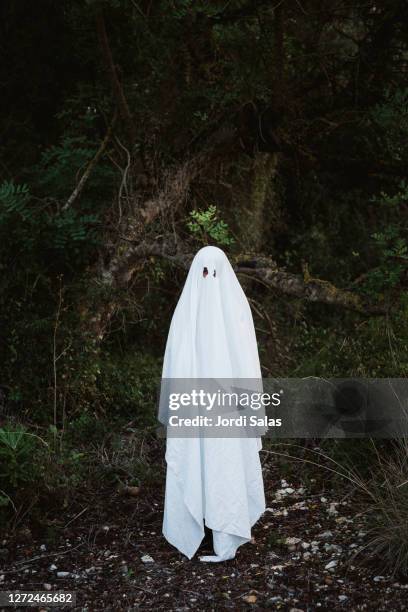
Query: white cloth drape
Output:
(213,480)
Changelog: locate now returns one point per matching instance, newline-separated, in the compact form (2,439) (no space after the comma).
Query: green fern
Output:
(14,199)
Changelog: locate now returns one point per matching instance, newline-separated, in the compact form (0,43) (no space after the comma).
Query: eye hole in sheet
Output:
(205,272)
(215,273)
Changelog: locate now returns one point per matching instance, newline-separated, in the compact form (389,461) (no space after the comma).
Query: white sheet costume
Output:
(213,480)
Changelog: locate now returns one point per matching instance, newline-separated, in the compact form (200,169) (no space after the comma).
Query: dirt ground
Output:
(110,551)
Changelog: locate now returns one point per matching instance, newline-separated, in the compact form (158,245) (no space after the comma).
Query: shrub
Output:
(17,447)
(21,454)
(387,510)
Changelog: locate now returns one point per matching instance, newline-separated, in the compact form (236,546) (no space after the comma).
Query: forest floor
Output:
(109,550)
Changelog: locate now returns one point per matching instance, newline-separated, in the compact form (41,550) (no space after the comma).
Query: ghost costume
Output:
(212,481)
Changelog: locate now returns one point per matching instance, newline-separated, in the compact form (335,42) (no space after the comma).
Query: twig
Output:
(54,351)
(123,184)
(75,517)
(74,195)
(54,554)
(135,586)
(9,498)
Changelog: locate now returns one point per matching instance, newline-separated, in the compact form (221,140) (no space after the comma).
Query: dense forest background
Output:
(133,132)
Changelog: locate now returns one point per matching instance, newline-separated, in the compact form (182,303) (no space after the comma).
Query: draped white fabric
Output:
(213,480)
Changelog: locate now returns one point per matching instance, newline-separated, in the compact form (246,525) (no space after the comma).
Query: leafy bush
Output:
(86,428)
(28,228)
(346,346)
(206,225)
(128,387)
(20,465)
(391,121)
(390,244)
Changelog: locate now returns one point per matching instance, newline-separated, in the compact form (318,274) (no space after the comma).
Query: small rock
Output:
(43,547)
(301,505)
(378,578)
(250,598)
(283,512)
(282,493)
(326,535)
(147,559)
(272,555)
(343,598)
(292,541)
(323,500)
(47,586)
(63,574)
(331,565)
(332,548)
(52,567)
(305,545)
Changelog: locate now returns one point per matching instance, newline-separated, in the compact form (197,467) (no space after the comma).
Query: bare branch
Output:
(74,195)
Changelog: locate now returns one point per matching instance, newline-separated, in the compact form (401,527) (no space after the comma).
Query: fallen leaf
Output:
(133,491)
(250,599)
